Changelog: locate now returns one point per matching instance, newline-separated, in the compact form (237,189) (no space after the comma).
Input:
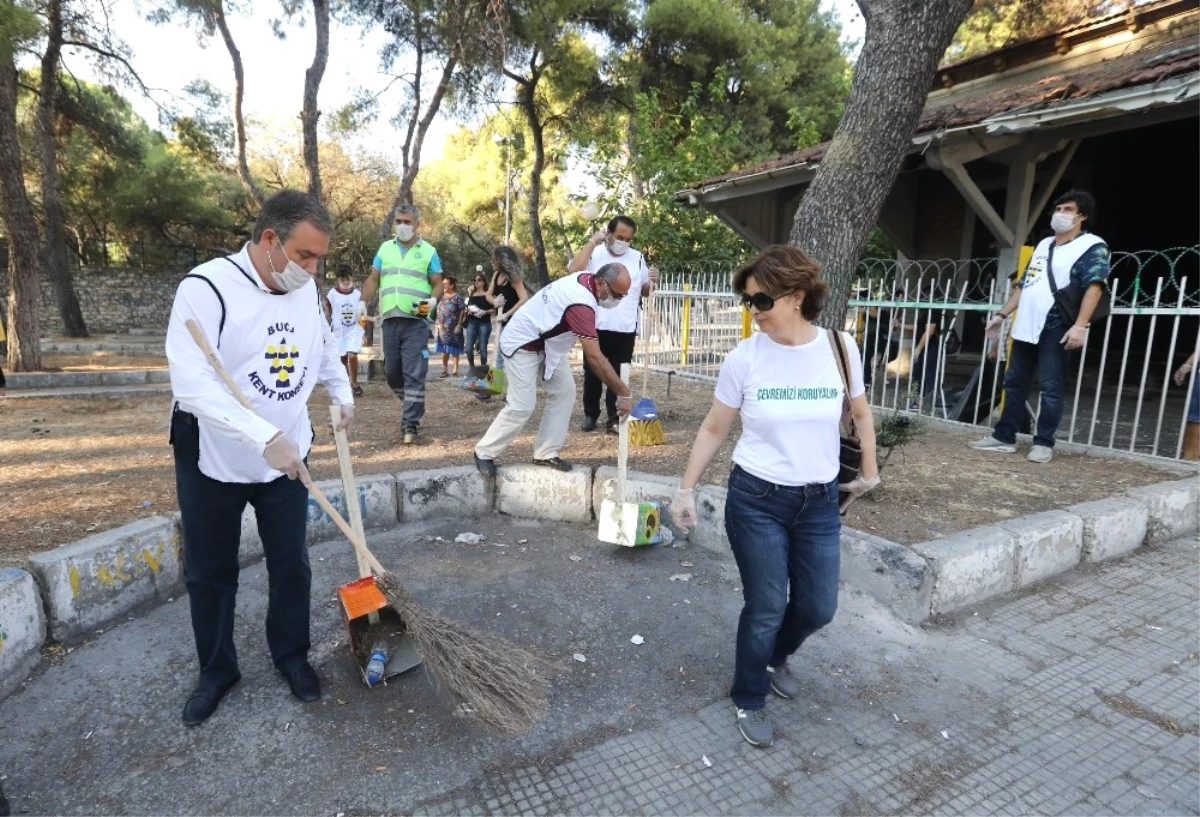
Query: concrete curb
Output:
(22,627)
(537,492)
(111,377)
(89,583)
(85,585)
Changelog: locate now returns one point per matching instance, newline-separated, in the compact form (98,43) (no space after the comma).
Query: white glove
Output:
(993,325)
(599,237)
(624,405)
(427,307)
(859,486)
(347,417)
(683,509)
(282,455)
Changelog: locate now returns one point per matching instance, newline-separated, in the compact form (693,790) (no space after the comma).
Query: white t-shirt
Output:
(790,398)
(624,316)
(342,306)
(276,346)
(1036,298)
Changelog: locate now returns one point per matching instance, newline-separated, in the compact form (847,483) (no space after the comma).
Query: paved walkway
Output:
(1076,698)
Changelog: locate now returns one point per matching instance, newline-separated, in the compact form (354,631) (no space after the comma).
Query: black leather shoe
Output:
(486,467)
(555,463)
(612,425)
(202,703)
(589,423)
(304,682)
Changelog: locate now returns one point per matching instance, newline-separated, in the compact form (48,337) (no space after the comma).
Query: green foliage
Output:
(993,24)
(784,75)
(128,193)
(670,150)
(893,433)
(19,25)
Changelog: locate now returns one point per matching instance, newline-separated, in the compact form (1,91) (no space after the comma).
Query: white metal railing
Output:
(1120,393)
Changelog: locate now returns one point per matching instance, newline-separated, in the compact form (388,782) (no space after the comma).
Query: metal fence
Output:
(919,328)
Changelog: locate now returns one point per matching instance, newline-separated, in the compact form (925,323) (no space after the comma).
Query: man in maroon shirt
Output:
(535,345)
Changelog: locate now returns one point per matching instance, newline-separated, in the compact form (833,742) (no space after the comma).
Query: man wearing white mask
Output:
(407,274)
(260,311)
(536,341)
(1042,335)
(616,328)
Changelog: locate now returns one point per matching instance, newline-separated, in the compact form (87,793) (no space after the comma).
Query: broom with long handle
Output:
(505,685)
(645,426)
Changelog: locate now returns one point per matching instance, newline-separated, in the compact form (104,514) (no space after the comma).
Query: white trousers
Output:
(523,372)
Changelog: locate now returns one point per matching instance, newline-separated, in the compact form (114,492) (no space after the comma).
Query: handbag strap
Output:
(839,358)
(1050,271)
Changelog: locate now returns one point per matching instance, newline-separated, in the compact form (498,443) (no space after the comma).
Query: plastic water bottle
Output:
(377,663)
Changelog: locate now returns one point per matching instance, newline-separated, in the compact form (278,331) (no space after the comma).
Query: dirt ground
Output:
(71,467)
(96,361)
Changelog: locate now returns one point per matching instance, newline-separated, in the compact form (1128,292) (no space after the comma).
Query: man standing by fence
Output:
(617,328)
(1041,337)
(407,273)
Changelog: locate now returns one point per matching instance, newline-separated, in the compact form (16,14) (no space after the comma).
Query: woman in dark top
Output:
(479,320)
(508,281)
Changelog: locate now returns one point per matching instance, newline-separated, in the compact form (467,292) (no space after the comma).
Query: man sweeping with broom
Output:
(536,342)
(260,309)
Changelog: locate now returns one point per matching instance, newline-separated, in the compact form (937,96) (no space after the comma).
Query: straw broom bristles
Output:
(505,685)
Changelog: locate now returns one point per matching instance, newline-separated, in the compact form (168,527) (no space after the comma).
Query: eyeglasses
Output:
(759,300)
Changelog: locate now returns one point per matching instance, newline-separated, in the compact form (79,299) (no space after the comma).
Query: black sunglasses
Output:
(759,300)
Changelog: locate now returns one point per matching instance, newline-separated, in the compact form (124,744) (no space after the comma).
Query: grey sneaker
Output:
(756,727)
(990,443)
(783,683)
(1041,453)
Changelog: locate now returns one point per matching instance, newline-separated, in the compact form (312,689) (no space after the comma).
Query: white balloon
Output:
(590,210)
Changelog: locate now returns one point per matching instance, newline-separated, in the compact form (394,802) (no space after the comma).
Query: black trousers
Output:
(618,348)
(212,528)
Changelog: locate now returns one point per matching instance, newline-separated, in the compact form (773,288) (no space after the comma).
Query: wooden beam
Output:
(739,227)
(962,181)
(976,148)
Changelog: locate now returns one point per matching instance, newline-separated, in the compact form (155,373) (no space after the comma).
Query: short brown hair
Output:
(782,269)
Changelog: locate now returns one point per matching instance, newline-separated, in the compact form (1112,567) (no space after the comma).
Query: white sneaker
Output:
(1041,453)
(990,443)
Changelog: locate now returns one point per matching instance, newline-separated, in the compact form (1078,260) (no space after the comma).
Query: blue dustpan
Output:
(644,409)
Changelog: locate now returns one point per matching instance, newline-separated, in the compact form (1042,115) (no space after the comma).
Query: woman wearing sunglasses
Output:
(781,511)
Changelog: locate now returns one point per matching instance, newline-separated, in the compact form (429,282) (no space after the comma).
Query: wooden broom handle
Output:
(219,367)
(646,318)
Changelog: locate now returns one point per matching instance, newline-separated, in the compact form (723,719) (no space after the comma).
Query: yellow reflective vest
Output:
(404,277)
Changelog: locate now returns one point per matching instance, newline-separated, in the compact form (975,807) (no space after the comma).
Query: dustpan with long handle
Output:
(644,409)
(629,524)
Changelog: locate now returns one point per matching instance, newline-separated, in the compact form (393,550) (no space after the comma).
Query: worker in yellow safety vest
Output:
(407,274)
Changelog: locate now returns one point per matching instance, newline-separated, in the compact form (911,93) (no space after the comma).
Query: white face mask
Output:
(404,232)
(608,302)
(1062,222)
(619,247)
(293,276)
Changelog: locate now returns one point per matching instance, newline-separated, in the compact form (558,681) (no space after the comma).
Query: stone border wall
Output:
(113,299)
(79,588)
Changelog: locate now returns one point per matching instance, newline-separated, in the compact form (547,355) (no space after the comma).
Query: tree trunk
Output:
(541,275)
(239,92)
(312,83)
(418,127)
(24,292)
(904,41)
(55,249)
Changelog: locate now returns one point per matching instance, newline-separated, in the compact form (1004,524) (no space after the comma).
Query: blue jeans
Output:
(1049,359)
(477,331)
(784,539)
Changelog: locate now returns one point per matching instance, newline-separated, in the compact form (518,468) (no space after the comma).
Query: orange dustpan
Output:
(365,610)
